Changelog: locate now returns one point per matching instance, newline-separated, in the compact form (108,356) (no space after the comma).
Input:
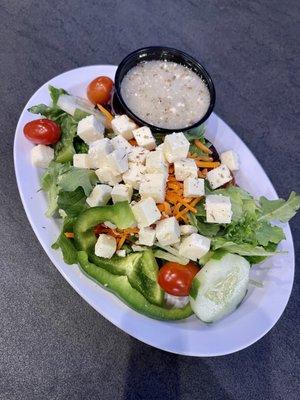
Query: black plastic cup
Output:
(166,54)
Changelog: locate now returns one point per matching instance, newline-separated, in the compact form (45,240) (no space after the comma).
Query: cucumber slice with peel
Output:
(219,287)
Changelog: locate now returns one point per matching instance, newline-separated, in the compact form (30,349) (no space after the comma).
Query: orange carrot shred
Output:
(207,164)
(202,147)
(69,235)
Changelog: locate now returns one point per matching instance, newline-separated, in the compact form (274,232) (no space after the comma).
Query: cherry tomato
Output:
(176,279)
(99,90)
(42,131)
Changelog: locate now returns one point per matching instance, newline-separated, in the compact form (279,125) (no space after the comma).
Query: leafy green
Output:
(279,210)
(80,146)
(64,149)
(243,249)
(73,203)
(75,177)
(80,114)
(55,93)
(266,233)
(196,133)
(53,113)
(49,184)
(195,288)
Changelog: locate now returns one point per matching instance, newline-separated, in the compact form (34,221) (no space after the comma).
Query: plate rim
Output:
(83,294)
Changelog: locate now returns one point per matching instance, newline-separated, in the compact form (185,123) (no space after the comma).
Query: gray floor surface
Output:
(53,345)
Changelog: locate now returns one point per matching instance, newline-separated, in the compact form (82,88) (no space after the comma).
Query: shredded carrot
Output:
(161,207)
(167,208)
(175,185)
(69,235)
(208,164)
(188,206)
(201,175)
(108,116)
(133,142)
(195,201)
(202,147)
(121,241)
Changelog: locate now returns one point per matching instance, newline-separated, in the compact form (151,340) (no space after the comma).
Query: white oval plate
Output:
(254,318)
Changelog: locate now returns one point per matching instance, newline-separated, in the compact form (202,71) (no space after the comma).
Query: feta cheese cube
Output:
(81,161)
(138,155)
(99,196)
(153,185)
(98,151)
(146,212)
(230,159)
(90,129)
(193,187)
(185,168)
(121,192)
(118,142)
(155,162)
(187,229)
(168,231)
(144,137)
(123,126)
(194,246)
(121,253)
(147,236)
(41,155)
(106,176)
(117,161)
(105,246)
(219,176)
(134,175)
(176,146)
(218,209)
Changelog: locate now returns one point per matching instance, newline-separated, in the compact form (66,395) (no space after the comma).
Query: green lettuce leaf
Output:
(55,93)
(64,149)
(279,210)
(75,177)
(49,184)
(243,249)
(73,203)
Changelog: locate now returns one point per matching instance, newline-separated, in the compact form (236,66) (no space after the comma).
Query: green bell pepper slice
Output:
(119,214)
(120,286)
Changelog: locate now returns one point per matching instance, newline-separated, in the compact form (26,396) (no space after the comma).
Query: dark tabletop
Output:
(53,345)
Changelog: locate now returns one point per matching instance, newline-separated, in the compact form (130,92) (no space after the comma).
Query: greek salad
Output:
(157,220)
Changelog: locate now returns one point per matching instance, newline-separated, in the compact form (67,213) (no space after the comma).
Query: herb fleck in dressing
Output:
(165,94)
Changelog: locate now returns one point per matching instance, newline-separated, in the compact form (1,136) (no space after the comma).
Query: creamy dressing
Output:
(165,94)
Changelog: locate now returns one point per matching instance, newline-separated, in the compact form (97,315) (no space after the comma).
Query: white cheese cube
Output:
(109,224)
(155,162)
(123,126)
(99,196)
(146,212)
(90,129)
(176,146)
(117,161)
(230,159)
(106,176)
(138,155)
(98,151)
(118,142)
(194,246)
(144,137)
(168,231)
(147,236)
(160,147)
(218,209)
(193,187)
(121,253)
(105,246)
(134,175)
(219,176)
(81,161)
(185,168)
(153,185)
(121,193)
(41,155)
(187,230)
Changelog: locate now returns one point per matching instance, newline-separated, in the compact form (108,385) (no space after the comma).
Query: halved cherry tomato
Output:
(176,279)
(99,90)
(42,131)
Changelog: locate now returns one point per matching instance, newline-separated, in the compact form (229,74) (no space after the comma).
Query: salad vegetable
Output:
(159,221)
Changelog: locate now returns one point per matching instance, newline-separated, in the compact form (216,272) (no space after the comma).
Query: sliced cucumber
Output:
(219,287)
